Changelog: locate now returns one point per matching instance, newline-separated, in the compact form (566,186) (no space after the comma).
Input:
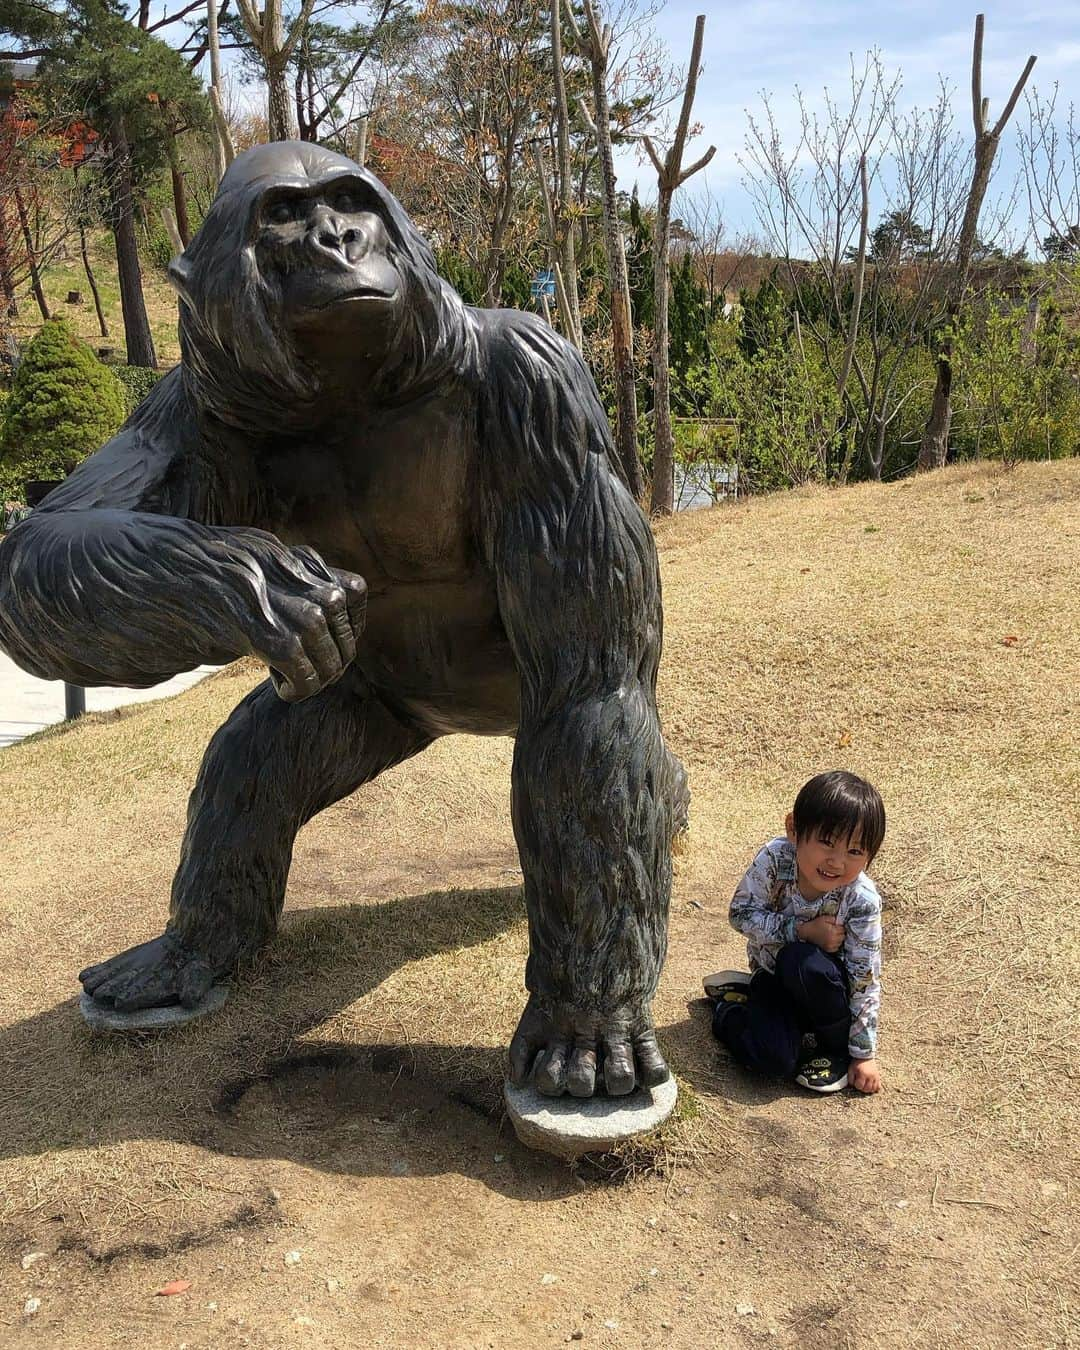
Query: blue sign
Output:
(543,284)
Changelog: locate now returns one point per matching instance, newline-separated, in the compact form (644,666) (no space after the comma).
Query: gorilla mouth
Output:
(358,293)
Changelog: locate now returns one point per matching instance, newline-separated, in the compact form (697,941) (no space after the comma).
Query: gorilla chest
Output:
(396,512)
(389,502)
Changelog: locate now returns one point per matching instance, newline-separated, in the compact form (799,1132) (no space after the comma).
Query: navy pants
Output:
(807,992)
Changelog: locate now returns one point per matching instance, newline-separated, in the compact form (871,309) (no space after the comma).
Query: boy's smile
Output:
(825,864)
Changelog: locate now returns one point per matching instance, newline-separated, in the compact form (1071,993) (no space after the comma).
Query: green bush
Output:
(137,381)
(63,404)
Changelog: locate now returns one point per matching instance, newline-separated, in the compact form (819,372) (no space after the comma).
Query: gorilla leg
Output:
(270,768)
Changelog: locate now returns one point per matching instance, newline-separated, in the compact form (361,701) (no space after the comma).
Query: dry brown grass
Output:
(873,629)
(864,628)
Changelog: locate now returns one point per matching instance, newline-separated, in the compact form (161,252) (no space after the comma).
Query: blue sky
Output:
(776,45)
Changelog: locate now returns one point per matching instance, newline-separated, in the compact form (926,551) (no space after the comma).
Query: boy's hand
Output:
(864,1075)
(825,932)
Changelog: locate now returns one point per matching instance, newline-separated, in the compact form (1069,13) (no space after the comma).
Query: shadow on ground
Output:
(253,1082)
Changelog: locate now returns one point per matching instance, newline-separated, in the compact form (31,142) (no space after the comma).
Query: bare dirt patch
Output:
(326,1160)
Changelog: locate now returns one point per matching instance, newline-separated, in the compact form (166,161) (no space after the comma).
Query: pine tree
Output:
(64,403)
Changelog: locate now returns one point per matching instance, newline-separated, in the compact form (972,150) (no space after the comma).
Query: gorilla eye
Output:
(281,211)
(345,200)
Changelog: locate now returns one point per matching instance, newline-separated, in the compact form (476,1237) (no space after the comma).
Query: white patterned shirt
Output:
(768,904)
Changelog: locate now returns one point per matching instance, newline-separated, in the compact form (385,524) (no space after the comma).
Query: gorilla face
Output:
(331,248)
(307,290)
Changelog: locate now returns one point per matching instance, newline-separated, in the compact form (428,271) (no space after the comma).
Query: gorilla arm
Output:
(116,580)
(579,598)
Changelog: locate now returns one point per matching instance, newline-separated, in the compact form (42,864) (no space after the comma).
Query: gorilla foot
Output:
(157,974)
(570,1051)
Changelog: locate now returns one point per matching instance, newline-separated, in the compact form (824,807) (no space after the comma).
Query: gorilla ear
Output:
(179,274)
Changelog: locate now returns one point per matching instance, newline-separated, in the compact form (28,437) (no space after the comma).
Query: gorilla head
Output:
(308,288)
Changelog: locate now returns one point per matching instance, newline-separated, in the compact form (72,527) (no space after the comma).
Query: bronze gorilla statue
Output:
(409,510)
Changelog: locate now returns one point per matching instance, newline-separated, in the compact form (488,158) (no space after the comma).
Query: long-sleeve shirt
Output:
(768,904)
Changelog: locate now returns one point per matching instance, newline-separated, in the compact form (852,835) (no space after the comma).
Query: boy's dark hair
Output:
(839,805)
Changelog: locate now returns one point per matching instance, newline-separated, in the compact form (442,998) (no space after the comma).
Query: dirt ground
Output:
(326,1160)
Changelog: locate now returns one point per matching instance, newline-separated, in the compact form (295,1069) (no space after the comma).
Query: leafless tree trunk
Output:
(221,161)
(31,253)
(670,176)
(570,324)
(179,188)
(102,325)
(266,29)
(562,223)
(935,437)
(856,310)
(595,45)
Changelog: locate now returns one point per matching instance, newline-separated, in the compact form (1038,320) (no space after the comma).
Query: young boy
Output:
(813,920)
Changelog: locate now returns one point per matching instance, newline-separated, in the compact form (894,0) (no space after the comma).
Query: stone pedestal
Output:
(149,1019)
(571,1126)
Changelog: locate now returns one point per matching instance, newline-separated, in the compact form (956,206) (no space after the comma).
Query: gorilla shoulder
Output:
(540,413)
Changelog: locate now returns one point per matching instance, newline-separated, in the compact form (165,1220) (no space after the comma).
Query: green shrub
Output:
(137,381)
(63,404)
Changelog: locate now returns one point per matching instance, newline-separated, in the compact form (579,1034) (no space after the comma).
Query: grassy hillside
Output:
(344,1103)
(68,274)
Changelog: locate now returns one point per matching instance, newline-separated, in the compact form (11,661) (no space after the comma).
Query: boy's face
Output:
(823,863)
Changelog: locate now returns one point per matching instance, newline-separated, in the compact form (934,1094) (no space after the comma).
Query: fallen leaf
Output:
(174,1287)
(1011,640)
(844,741)
(804,570)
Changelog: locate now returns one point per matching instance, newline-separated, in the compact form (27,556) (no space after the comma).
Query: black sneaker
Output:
(728,986)
(823,1073)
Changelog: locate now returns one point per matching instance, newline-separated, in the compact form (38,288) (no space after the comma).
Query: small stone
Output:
(31,1258)
(611,1324)
(211,1307)
(31,1306)
(304,1321)
(275,1197)
(292,1258)
(665,1326)
(399,1167)
(654,1271)
(745,1309)
(332,1285)
(902,1204)
(650,1223)
(733,1216)
(549,1279)
(499,1157)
